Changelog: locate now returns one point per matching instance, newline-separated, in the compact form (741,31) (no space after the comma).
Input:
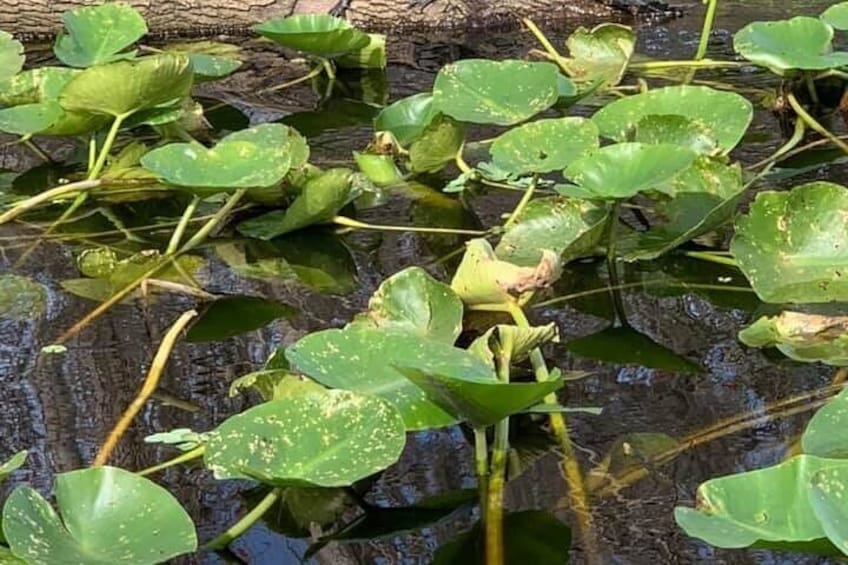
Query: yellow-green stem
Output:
(522,204)
(177,236)
(712,258)
(181,458)
(46,196)
(813,124)
(351,223)
(107,147)
(244,524)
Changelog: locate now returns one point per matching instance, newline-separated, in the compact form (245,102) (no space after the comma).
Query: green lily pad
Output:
(255,157)
(407,118)
(724,116)
(97,34)
(330,438)
(600,54)
(21,298)
(706,197)
(801,336)
(415,302)
(361,359)
(801,43)
(836,16)
(482,278)
(35,85)
(479,401)
(495,92)
(824,435)
(676,130)
(29,119)
(626,346)
(827,497)
(315,34)
(530,536)
(626,169)
(372,56)
(234,315)
(106,515)
(437,146)
(274,384)
(210,60)
(320,200)
(11,56)
(791,245)
(544,145)
(767,505)
(120,89)
(570,227)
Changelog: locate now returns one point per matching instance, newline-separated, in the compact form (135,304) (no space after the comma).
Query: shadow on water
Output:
(60,406)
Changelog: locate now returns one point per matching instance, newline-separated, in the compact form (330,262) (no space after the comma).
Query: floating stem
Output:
(351,223)
(46,196)
(149,386)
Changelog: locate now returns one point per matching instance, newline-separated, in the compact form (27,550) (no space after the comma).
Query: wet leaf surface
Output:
(315,34)
(791,245)
(98,34)
(824,435)
(326,439)
(724,116)
(407,118)
(600,54)
(544,145)
(362,359)
(437,145)
(495,92)
(798,43)
(106,515)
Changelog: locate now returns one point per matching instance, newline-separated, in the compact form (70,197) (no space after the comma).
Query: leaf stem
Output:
(494,501)
(522,204)
(601,290)
(712,258)
(181,458)
(310,75)
(481,465)
(107,147)
(147,388)
(700,64)
(812,123)
(704,42)
(179,231)
(551,51)
(612,266)
(245,523)
(797,136)
(46,196)
(571,467)
(351,223)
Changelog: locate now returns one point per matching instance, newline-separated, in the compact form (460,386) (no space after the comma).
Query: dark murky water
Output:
(60,407)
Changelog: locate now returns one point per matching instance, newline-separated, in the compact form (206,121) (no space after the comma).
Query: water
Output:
(60,407)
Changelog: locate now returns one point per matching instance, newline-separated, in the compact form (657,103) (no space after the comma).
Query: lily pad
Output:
(482,278)
(97,34)
(724,116)
(330,438)
(824,435)
(316,34)
(800,43)
(836,16)
(21,298)
(437,146)
(767,505)
(106,515)
(706,197)
(361,359)
(827,497)
(415,302)
(544,145)
(479,401)
(210,60)
(570,227)
(600,54)
(626,346)
(255,157)
(29,119)
(626,169)
(35,85)
(234,315)
(11,56)
(407,118)
(802,336)
(791,245)
(512,343)
(495,92)
(12,464)
(675,130)
(320,200)
(120,89)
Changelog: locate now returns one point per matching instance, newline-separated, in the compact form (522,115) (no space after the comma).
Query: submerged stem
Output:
(310,75)
(147,388)
(812,123)
(351,223)
(244,524)
(571,467)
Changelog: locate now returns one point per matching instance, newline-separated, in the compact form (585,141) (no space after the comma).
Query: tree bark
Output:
(38,18)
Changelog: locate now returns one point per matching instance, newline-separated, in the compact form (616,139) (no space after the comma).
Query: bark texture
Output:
(36,18)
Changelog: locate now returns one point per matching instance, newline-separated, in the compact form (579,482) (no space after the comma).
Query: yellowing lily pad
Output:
(802,336)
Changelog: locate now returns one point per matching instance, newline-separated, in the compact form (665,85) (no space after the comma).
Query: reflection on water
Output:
(60,407)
